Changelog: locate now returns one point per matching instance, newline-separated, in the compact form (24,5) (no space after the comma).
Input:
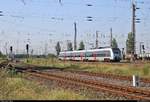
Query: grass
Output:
(122,69)
(14,87)
(17,88)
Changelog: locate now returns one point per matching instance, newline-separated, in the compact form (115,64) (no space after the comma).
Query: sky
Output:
(42,23)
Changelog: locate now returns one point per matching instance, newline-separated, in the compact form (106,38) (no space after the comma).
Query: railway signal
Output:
(11,56)
(89,5)
(143,47)
(11,49)
(89,20)
(27,48)
(89,17)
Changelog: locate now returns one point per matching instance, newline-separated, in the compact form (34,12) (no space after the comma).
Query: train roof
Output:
(104,48)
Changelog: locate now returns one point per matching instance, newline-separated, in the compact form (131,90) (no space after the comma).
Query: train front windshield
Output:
(116,51)
(117,54)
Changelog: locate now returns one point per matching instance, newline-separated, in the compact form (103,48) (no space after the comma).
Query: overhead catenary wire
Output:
(95,19)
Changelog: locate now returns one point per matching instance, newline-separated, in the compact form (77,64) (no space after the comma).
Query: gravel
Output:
(101,79)
(84,91)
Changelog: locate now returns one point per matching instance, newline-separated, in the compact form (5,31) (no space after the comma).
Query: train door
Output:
(64,56)
(74,55)
(94,56)
(81,56)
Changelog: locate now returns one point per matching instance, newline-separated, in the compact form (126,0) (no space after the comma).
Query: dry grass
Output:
(122,69)
(15,88)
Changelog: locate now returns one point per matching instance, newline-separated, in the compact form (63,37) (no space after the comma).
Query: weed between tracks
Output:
(17,88)
(121,69)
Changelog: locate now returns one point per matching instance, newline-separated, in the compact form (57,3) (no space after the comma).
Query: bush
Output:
(146,70)
(3,84)
(20,89)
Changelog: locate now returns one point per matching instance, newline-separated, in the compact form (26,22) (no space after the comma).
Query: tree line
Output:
(129,45)
(69,47)
(81,46)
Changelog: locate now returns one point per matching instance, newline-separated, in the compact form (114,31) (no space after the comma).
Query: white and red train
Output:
(102,54)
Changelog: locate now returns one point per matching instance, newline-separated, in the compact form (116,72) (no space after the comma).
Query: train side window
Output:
(103,54)
(83,54)
(61,55)
(67,55)
(77,54)
(70,54)
(89,54)
(107,53)
(100,54)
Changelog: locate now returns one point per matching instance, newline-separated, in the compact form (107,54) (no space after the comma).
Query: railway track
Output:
(103,75)
(109,63)
(4,64)
(110,76)
(129,92)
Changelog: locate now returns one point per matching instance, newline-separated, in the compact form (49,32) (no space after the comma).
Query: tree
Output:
(114,43)
(1,55)
(69,46)
(81,46)
(130,43)
(58,48)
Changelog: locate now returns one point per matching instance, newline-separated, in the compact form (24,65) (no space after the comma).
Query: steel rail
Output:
(104,75)
(130,92)
(110,76)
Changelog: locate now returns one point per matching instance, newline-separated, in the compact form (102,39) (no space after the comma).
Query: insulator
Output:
(89,4)
(89,17)
(89,20)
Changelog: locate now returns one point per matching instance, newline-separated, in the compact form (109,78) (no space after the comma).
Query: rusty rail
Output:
(4,64)
(130,92)
(104,75)
(110,76)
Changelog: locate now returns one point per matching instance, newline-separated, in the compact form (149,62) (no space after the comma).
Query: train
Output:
(101,54)
(145,56)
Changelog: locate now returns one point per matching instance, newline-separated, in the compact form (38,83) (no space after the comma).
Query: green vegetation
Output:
(114,43)
(81,46)
(146,70)
(69,46)
(122,69)
(17,88)
(58,48)
(130,43)
(2,56)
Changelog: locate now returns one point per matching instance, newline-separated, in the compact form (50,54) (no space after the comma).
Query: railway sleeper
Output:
(128,89)
(88,85)
(142,91)
(139,91)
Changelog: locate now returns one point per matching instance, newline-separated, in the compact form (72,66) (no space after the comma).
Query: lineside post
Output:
(136,81)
